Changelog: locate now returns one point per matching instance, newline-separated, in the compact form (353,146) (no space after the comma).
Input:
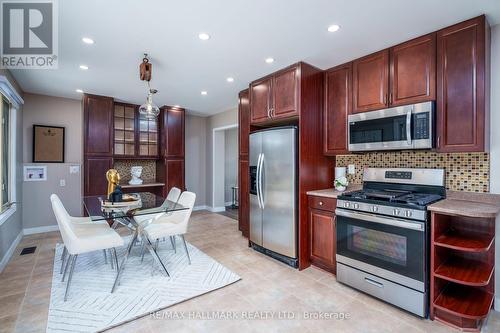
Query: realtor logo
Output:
(29,34)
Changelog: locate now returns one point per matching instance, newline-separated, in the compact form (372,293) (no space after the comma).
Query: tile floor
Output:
(266,285)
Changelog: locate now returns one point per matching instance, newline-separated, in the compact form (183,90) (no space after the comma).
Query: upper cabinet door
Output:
(284,90)
(260,100)
(371,82)
(337,107)
(413,71)
(174,132)
(244,122)
(98,119)
(461,87)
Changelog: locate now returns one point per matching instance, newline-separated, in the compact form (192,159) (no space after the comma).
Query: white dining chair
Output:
(81,235)
(172,196)
(173,224)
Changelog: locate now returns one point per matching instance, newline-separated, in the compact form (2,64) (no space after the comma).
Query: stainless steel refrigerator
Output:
(273,193)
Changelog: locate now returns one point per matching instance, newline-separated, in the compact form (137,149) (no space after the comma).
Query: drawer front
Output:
(405,298)
(322,203)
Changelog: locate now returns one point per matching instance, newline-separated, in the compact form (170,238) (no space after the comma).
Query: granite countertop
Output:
(481,205)
(333,193)
(146,183)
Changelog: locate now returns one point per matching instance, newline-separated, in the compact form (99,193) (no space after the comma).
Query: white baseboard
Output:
(39,230)
(228,203)
(10,251)
(497,303)
(202,207)
(217,209)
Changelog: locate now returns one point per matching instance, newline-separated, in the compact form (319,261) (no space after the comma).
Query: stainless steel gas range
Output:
(383,235)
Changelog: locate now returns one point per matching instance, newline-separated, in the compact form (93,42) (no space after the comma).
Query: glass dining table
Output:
(143,205)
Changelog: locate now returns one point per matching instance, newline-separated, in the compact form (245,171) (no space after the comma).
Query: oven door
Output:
(390,248)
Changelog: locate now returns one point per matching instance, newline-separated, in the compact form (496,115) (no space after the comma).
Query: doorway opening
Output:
(225,171)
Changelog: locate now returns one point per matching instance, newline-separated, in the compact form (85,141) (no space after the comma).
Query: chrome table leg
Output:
(105,257)
(153,252)
(174,246)
(68,263)
(122,266)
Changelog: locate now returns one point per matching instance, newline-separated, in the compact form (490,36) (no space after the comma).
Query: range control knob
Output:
(396,212)
(346,205)
(356,206)
(374,209)
(408,213)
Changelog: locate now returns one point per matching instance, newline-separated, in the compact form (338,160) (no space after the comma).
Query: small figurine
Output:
(136,172)
(113,178)
(116,195)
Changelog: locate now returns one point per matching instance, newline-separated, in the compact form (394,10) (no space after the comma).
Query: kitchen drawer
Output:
(322,203)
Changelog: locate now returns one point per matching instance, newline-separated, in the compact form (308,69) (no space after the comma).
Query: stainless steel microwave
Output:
(402,127)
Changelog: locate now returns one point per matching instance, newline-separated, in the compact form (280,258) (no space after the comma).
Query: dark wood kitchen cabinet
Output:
(98,122)
(284,90)
(260,95)
(463,87)
(98,142)
(95,168)
(413,71)
(170,167)
(371,82)
(338,98)
(322,233)
(275,97)
(403,74)
(243,162)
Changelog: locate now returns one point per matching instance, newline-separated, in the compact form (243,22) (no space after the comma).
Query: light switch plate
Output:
(62,182)
(351,169)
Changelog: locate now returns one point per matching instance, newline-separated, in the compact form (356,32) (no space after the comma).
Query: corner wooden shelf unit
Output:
(462,269)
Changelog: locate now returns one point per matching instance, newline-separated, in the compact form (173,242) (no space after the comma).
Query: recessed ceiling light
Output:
(87,40)
(333,28)
(269,60)
(230,79)
(204,93)
(80,91)
(204,36)
(84,67)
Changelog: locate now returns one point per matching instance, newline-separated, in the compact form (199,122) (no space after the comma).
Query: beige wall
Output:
(226,118)
(56,111)
(11,228)
(230,162)
(196,152)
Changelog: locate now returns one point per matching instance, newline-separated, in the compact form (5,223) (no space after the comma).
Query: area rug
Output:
(92,308)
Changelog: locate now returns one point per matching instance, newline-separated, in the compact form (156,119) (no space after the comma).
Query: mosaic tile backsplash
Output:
(148,169)
(464,171)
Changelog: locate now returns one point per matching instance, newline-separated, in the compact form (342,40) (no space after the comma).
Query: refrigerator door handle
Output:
(257,180)
(261,195)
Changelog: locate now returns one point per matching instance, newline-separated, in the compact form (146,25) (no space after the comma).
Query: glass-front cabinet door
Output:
(148,137)
(124,130)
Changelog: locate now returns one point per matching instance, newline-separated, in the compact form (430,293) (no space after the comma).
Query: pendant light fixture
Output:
(149,109)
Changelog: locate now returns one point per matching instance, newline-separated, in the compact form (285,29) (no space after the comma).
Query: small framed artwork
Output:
(35,173)
(48,144)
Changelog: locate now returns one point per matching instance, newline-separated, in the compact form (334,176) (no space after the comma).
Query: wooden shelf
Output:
(465,271)
(464,302)
(465,242)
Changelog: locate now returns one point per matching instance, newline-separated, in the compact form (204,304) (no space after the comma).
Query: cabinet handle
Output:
(321,203)
(390,98)
(385,99)
(438,141)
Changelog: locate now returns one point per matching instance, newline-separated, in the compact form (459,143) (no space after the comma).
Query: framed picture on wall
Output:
(48,144)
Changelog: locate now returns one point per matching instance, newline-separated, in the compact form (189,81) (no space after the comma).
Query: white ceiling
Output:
(243,33)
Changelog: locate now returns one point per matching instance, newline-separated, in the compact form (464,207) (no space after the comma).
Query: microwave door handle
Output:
(408,126)
(257,180)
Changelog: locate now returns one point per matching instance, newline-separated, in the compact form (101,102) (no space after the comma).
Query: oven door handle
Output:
(379,219)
